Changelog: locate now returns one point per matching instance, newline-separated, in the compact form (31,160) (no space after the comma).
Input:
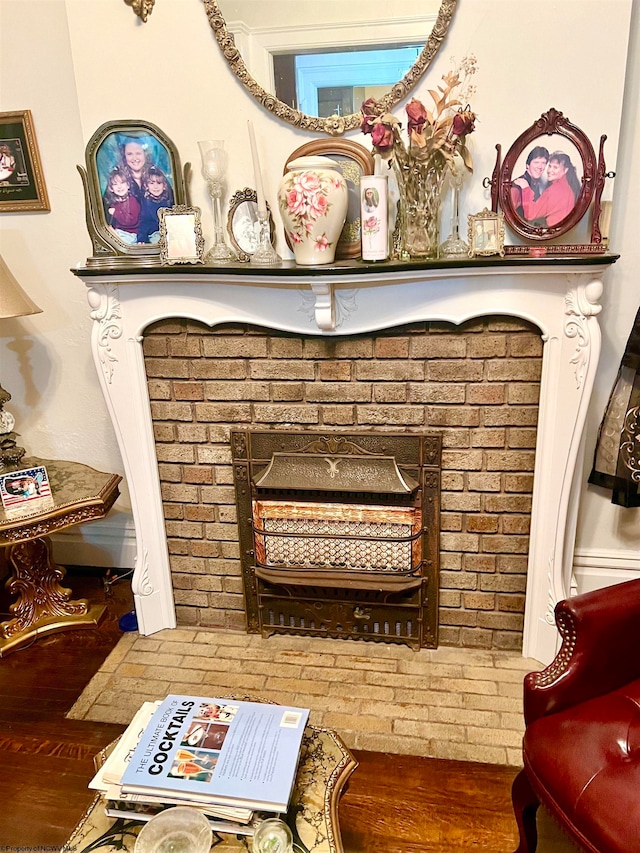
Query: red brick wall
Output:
(478,383)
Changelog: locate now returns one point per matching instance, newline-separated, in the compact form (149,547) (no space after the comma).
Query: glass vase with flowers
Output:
(437,142)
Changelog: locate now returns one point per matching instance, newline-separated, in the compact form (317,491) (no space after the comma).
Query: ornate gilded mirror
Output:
(312,64)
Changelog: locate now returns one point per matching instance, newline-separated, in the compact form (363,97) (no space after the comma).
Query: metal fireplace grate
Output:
(348,537)
(339,533)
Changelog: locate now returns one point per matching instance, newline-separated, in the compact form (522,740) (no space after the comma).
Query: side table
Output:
(324,768)
(79,494)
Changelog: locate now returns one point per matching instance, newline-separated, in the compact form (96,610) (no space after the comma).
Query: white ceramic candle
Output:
(262,203)
(373,218)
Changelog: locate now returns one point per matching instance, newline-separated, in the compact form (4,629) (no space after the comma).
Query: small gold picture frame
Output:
(486,234)
(181,240)
(22,186)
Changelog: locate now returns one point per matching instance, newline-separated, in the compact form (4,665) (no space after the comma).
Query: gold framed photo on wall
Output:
(22,186)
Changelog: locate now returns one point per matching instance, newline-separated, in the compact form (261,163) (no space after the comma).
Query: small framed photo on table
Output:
(181,240)
(486,234)
(26,491)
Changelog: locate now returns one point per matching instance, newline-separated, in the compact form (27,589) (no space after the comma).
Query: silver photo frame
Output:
(243,223)
(181,240)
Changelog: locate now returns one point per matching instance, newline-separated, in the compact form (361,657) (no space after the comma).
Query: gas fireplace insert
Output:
(339,533)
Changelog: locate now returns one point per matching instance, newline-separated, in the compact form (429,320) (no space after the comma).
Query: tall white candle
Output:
(262,204)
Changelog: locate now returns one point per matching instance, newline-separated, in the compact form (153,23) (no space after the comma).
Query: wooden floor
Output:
(393,804)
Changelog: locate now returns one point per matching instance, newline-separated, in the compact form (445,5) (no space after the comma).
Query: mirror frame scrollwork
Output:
(333,125)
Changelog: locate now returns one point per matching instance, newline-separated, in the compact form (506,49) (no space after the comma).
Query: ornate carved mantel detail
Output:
(103,300)
(581,304)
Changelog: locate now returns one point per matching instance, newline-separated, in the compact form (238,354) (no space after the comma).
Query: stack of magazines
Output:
(235,761)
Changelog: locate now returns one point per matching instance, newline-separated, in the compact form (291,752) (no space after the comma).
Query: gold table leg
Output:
(43,606)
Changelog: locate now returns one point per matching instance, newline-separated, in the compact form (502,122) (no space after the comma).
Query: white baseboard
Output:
(110,542)
(595,569)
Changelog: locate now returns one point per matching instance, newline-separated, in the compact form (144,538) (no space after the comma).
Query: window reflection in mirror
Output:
(334,82)
(294,49)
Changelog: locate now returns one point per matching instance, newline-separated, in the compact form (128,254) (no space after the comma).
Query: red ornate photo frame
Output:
(592,184)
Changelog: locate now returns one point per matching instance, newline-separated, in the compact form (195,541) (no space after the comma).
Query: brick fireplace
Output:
(508,496)
(477,386)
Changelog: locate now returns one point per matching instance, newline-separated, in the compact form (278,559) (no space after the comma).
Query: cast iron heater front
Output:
(339,533)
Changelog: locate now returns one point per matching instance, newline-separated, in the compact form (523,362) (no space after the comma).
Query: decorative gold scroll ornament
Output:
(142,8)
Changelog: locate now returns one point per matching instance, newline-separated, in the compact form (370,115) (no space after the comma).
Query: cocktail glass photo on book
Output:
(205,735)
(195,765)
(211,711)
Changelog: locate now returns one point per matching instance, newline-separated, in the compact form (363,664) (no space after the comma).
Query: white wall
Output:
(79,63)
(608,537)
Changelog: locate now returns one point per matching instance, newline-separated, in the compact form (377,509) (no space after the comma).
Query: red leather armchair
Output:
(581,746)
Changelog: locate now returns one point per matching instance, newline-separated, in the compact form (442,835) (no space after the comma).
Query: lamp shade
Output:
(14,302)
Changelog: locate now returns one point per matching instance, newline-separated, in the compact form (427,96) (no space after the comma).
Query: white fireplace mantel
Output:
(559,295)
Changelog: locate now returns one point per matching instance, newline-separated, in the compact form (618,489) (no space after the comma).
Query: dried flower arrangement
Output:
(437,134)
(437,144)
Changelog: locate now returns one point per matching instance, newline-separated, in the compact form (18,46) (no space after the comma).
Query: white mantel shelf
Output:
(560,295)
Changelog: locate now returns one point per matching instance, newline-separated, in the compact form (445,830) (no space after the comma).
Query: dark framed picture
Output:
(243,225)
(181,240)
(22,185)
(353,161)
(548,180)
(132,171)
(486,233)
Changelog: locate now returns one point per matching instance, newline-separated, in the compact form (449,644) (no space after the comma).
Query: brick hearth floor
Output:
(443,703)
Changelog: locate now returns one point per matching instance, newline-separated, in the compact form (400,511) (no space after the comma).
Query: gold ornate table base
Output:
(79,494)
(44,605)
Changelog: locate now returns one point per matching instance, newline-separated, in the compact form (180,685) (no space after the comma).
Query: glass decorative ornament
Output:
(214,171)
(454,246)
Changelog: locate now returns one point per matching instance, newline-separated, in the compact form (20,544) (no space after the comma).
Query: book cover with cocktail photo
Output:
(218,752)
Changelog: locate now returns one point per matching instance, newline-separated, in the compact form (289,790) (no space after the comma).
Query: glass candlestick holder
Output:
(454,246)
(265,255)
(214,171)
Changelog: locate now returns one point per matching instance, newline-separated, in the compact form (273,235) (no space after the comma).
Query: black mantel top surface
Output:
(345,268)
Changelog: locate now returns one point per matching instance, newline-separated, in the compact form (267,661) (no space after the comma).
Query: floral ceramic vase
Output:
(312,198)
(420,185)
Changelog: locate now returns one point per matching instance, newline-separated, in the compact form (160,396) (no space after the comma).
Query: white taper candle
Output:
(262,204)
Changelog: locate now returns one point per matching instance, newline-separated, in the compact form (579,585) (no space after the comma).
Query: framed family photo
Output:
(22,186)
(132,171)
(486,234)
(548,180)
(181,240)
(25,491)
